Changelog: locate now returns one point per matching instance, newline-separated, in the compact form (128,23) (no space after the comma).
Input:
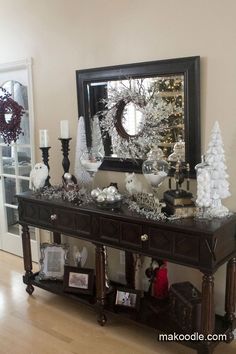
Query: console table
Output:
(204,245)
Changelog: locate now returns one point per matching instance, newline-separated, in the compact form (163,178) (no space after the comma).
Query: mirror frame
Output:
(189,67)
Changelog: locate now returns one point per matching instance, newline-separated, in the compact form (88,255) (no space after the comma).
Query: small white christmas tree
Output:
(83,177)
(219,184)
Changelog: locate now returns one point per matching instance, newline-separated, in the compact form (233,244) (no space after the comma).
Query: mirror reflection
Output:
(132,119)
(136,114)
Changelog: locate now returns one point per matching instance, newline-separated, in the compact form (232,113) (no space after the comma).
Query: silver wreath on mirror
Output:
(143,99)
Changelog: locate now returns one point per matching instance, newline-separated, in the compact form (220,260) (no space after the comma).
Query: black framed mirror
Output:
(164,92)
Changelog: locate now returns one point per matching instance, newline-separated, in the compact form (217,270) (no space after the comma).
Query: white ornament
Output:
(112,190)
(38,176)
(110,198)
(101,198)
(95,193)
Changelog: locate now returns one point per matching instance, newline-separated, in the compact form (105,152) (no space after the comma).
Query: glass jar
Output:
(91,160)
(155,168)
(203,201)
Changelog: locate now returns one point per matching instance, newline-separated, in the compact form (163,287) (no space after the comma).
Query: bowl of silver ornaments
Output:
(107,198)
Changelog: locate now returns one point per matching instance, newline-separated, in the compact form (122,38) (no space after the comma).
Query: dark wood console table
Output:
(204,245)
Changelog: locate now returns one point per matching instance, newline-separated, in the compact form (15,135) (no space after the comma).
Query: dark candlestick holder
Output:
(65,150)
(45,157)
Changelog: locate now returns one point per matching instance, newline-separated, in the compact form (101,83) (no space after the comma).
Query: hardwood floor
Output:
(46,324)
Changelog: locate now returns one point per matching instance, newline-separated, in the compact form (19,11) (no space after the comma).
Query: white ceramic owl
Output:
(38,176)
(133,185)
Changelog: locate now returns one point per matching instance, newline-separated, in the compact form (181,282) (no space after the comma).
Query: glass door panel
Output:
(10,190)
(24,161)
(12,220)
(24,185)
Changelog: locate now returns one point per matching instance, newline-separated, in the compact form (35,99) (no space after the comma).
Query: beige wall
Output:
(64,35)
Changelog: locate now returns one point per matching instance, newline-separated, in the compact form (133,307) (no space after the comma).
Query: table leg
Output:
(230,295)
(100,284)
(208,308)
(27,259)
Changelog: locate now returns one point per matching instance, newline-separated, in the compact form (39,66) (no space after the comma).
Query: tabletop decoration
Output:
(38,176)
(133,185)
(155,169)
(83,177)
(212,179)
(203,200)
(75,195)
(107,198)
(145,205)
(219,185)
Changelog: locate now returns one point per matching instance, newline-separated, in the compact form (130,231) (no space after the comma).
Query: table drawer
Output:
(58,219)
(173,244)
(36,214)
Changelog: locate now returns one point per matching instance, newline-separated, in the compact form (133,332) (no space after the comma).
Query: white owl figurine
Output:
(38,176)
(133,185)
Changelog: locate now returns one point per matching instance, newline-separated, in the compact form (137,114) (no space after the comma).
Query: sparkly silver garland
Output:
(145,205)
(155,112)
(73,195)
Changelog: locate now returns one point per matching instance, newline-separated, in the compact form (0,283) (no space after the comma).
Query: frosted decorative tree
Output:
(83,177)
(97,136)
(219,184)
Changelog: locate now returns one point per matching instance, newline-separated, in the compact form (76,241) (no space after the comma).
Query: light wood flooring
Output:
(46,324)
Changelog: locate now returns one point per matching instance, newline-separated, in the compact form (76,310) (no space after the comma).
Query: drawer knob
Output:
(144,237)
(53,217)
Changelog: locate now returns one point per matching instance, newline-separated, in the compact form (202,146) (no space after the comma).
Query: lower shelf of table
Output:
(152,312)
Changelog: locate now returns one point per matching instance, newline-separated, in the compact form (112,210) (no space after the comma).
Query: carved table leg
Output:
(230,296)
(208,308)
(100,284)
(27,259)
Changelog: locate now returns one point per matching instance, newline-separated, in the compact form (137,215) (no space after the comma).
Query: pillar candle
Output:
(65,133)
(43,138)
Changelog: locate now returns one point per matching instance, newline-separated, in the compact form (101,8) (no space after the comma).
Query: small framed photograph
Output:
(52,262)
(78,280)
(128,298)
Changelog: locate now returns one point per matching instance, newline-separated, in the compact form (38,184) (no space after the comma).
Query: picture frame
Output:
(128,299)
(78,280)
(52,261)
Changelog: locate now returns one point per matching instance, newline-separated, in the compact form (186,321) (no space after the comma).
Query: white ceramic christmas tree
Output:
(219,184)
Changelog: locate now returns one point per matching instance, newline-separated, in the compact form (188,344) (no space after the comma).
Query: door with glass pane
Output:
(16,159)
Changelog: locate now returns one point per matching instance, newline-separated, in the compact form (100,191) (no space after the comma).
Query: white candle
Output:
(43,138)
(65,132)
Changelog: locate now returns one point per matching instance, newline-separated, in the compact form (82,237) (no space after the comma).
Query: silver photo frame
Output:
(52,261)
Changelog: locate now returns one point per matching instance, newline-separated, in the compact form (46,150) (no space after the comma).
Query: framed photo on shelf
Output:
(78,280)
(128,298)
(52,261)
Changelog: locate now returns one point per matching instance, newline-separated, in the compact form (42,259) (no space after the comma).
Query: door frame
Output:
(24,64)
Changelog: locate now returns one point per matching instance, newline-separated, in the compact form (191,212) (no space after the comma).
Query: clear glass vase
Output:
(203,201)
(91,160)
(155,169)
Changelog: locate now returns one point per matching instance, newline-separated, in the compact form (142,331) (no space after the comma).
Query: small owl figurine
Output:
(38,176)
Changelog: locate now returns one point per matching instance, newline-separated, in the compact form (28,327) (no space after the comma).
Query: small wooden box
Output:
(185,302)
